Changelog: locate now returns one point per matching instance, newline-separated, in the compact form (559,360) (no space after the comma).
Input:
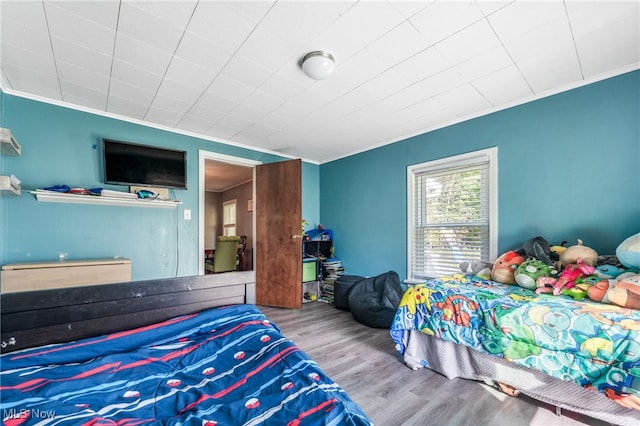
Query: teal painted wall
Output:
(568,168)
(62,146)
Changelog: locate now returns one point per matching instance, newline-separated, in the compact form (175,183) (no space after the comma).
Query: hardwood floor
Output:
(365,363)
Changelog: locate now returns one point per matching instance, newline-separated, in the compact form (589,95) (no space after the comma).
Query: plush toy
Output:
(578,252)
(536,248)
(626,292)
(504,267)
(628,252)
(530,270)
(611,271)
(567,279)
(599,292)
(556,251)
(478,268)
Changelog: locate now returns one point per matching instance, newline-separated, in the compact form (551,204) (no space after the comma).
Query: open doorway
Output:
(227,191)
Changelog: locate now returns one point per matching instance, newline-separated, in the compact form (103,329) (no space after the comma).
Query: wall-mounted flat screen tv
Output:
(128,163)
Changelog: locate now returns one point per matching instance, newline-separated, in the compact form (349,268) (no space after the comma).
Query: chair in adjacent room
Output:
(226,253)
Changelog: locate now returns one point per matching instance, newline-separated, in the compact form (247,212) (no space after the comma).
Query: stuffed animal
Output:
(567,279)
(536,248)
(530,270)
(599,292)
(628,252)
(578,252)
(626,292)
(556,251)
(504,267)
(478,268)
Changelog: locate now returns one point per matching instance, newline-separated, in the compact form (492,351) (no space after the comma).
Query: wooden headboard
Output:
(41,317)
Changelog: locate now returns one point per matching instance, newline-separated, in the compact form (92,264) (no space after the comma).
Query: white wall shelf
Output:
(61,197)
(8,144)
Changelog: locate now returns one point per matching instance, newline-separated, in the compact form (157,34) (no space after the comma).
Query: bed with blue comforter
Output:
(223,366)
(594,345)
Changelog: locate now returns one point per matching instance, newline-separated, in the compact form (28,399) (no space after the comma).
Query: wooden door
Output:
(278,210)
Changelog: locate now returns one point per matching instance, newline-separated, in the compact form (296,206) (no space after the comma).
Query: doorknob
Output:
(296,236)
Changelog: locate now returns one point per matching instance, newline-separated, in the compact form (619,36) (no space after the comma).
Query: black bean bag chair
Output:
(342,288)
(374,301)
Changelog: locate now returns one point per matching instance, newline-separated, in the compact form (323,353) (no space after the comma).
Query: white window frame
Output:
(229,228)
(490,154)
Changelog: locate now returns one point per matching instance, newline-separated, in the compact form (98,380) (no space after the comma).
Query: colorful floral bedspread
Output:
(595,345)
(225,366)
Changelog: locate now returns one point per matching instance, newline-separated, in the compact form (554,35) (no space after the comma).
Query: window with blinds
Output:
(452,214)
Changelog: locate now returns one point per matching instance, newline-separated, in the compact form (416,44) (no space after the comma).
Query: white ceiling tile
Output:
(195,75)
(230,88)
(73,53)
(233,122)
(298,22)
(409,8)
(138,24)
(103,13)
(385,84)
(255,132)
(427,88)
(217,103)
(83,77)
(366,21)
(504,86)
(489,6)
(485,63)
(554,70)
(77,94)
(76,29)
(463,100)
(179,91)
(395,46)
(247,112)
(468,43)
(267,50)
(218,23)
(16,34)
(135,76)
(246,71)
(587,17)
(200,51)
(142,55)
(426,63)
(28,59)
(202,112)
(443,19)
(163,117)
(27,13)
(286,85)
(24,79)
(596,54)
(176,12)
(192,123)
(263,101)
(132,92)
(520,17)
(219,131)
(541,42)
(126,107)
(251,11)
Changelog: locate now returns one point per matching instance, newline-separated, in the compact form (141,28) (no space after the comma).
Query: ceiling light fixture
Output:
(318,65)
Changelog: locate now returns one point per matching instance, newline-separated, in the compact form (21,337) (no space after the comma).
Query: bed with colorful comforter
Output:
(224,366)
(594,345)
